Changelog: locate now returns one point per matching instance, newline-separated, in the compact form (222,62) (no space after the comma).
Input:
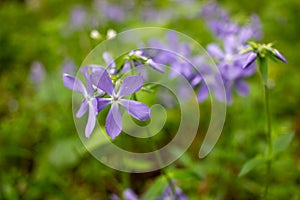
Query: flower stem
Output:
(269,142)
(164,173)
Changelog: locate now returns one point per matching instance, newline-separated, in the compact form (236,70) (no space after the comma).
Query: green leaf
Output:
(251,164)
(185,174)
(156,189)
(263,68)
(282,142)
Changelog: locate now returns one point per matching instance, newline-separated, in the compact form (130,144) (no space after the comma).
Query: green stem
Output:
(269,142)
(164,173)
(157,155)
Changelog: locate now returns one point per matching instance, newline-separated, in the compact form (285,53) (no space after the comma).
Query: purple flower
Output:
(169,194)
(37,73)
(128,194)
(230,63)
(130,85)
(68,66)
(89,102)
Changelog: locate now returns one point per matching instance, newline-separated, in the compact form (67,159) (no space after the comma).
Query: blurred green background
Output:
(41,156)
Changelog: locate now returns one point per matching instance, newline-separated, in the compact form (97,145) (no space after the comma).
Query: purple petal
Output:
(73,83)
(83,108)
(202,93)
(128,194)
(89,86)
(92,118)
(154,65)
(136,109)
(113,124)
(130,85)
(242,88)
(215,51)
(102,103)
(230,44)
(114,197)
(279,56)
(100,78)
(251,58)
(108,60)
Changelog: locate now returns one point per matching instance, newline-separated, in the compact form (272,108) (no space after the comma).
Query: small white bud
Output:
(111,33)
(95,34)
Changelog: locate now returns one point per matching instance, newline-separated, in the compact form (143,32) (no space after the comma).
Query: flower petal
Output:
(113,123)
(108,60)
(87,78)
(102,103)
(279,56)
(130,85)
(82,109)
(202,93)
(215,51)
(100,78)
(136,109)
(128,194)
(154,65)
(242,88)
(73,83)
(251,58)
(92,118)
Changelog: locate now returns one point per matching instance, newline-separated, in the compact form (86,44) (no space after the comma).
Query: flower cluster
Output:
(104,87)
(168,193)
(227,53)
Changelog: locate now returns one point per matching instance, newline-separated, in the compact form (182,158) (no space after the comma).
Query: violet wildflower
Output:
(230,63)
(128,194)
(130,85)
(89,103)
(78,17)
(169,194)
(37,73)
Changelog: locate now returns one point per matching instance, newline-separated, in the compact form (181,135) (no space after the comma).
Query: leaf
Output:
(185,174)
(282,142)
(156,189)
(251,164)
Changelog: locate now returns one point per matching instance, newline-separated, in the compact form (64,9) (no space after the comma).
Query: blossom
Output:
(230,63)
(130,85)
(89,102)
(37,73)
(169,194)
(128,194)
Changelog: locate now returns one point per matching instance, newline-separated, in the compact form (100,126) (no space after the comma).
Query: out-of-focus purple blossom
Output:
(89,102)
(130,85)
(37,72)
(108,11)
(128,194)
(68,66)
(212,11)
(169,194)
(230,63)
(219,22)
(78,17)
